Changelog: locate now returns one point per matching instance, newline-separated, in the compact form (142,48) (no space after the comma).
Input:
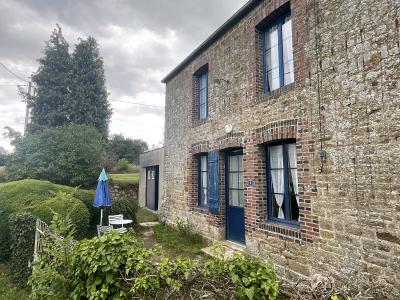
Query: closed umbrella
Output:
(102,197)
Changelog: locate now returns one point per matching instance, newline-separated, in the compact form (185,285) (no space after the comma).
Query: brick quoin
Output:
(344,99)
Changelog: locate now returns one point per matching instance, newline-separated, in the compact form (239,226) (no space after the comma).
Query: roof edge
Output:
(238,16)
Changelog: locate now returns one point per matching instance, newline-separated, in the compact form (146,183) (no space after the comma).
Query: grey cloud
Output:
(131,70)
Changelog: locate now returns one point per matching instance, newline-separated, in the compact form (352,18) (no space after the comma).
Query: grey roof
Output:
(232,21)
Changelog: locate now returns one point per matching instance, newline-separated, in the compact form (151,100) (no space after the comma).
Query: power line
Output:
(11,72)
(136,103)
(6,84)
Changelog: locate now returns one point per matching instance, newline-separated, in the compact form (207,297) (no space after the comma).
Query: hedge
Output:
(40,197)
(22,232)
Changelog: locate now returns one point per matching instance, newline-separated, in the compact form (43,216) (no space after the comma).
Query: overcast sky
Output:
(140,41)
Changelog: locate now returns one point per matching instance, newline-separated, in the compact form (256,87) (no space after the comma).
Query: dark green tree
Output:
(127,148)
(3,156)
(71,155)
(52,85)
(88,104)
(70,89)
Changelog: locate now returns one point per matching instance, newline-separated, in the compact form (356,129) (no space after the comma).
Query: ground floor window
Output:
(282,183)
(203,196)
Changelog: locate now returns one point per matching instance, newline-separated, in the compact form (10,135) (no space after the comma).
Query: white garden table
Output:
(121,222)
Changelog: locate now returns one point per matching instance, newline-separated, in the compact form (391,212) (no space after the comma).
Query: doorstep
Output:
(229,247)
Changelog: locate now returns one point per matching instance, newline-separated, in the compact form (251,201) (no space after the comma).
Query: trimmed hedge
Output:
(22,232)
(39,197)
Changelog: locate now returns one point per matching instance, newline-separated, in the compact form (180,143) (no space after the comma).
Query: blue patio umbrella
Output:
(102,197)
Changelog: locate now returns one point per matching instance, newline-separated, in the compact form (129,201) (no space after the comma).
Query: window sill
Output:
(198,122)
(201,209)
(277,93)
(282,229)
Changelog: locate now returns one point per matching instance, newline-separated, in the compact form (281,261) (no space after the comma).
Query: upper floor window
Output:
(202,80)
(278,54)
(282,183)
(203,172)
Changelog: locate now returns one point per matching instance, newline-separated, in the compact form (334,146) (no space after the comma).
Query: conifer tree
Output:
(52,81)
(88,104)
(70,89)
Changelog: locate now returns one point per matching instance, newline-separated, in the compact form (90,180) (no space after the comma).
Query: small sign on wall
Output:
(249,182)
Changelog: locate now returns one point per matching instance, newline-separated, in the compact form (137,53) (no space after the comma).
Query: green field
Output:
(125,178)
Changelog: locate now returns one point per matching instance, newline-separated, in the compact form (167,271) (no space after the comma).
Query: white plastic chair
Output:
(103,229)
(117,218)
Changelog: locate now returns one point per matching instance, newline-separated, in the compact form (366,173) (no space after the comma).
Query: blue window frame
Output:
(282,183)
(278,69)
(202,180)
(202,79)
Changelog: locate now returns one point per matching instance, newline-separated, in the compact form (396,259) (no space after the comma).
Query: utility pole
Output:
(27,107)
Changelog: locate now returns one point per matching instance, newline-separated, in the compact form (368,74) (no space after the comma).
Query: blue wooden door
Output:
(234,196)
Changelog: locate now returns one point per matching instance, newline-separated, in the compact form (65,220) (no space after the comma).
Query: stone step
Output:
(149,224)
(229,247)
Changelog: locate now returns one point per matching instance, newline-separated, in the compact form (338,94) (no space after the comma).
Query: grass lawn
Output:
(125,178)
(176,243)
(7,289)
(144,215)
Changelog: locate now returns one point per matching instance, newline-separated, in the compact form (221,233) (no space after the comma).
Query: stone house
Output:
(283,135)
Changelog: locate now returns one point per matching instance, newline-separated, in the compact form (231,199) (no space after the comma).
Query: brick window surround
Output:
(195,95)
(256,196)
(270,11)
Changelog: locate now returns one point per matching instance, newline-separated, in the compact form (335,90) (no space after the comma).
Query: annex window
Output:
(282,183)
(278,67)
(202,81)
(203,175)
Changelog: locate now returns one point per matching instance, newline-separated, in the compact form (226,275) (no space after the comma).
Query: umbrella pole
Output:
(101,217)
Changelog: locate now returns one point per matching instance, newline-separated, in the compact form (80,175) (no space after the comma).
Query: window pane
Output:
(294,208)
(203,83)
(277,181)
(240,161)
(203,197)
(204,179)
(203,111)
(241,198)
(203,161)
(287,51)
(292,153)
(241,185)
(203,97)
(272,58)
(276,156)
(234,197)
(233,163)
(233,180)
(278,206)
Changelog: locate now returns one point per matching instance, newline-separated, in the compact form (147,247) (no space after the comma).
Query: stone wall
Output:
(124,191)
(345,99)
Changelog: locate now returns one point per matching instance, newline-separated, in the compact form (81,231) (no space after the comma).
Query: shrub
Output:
(35,195)
(121,166)
(118,266)
(67,206)
(22,232)
(69,155)
(53,275)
